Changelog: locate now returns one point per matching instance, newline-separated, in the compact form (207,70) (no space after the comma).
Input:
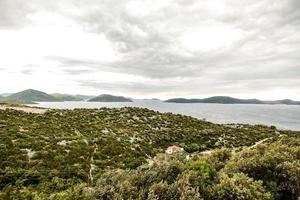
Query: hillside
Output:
(109,98)
(67,97)
(231,100)
(31,95)
(61,149)
(84,97)
(5,100)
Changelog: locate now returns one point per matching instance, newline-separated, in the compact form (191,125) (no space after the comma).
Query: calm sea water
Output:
(282,116)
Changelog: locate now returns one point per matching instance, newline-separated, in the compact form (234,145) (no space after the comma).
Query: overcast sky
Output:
(152,48)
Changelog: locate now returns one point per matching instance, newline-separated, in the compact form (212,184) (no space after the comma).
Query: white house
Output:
(173,149)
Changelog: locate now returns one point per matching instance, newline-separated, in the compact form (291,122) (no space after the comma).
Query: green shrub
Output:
(240,187)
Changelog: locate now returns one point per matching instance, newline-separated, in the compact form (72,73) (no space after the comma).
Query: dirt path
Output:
(259,142)
(24,108)
(91,166)
(208,152)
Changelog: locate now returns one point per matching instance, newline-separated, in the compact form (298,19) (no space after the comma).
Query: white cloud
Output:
(210,37)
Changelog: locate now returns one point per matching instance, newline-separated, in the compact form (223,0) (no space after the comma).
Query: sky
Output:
(152,48)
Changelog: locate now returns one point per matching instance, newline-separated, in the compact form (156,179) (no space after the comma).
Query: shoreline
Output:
(24,108)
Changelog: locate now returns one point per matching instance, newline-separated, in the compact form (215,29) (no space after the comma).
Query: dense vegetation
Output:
(230,100)
(110,98)
(261,173)
(119,154)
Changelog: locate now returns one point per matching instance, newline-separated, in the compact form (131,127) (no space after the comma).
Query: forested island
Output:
(231,100)
(31,96)
(123,153)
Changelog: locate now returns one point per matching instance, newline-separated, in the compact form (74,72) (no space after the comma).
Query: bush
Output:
(240,187)
(163,191)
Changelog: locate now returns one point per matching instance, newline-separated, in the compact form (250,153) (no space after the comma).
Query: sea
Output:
(281,116)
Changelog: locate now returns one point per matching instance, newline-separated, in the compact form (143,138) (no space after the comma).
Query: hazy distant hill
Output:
(231,100)
(109,98)
(284,101)
(31,95)
(84,97)
(5,94)
(5,100)
(67,97)
(216,99)
(151,99)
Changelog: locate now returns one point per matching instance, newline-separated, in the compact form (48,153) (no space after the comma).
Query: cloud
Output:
(77,71)
(181,47)
(26,71)
(150,41)
(10,16)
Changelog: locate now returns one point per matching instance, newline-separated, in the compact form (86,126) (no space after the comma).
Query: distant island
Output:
(109,98)
(30,96)
(231,100)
